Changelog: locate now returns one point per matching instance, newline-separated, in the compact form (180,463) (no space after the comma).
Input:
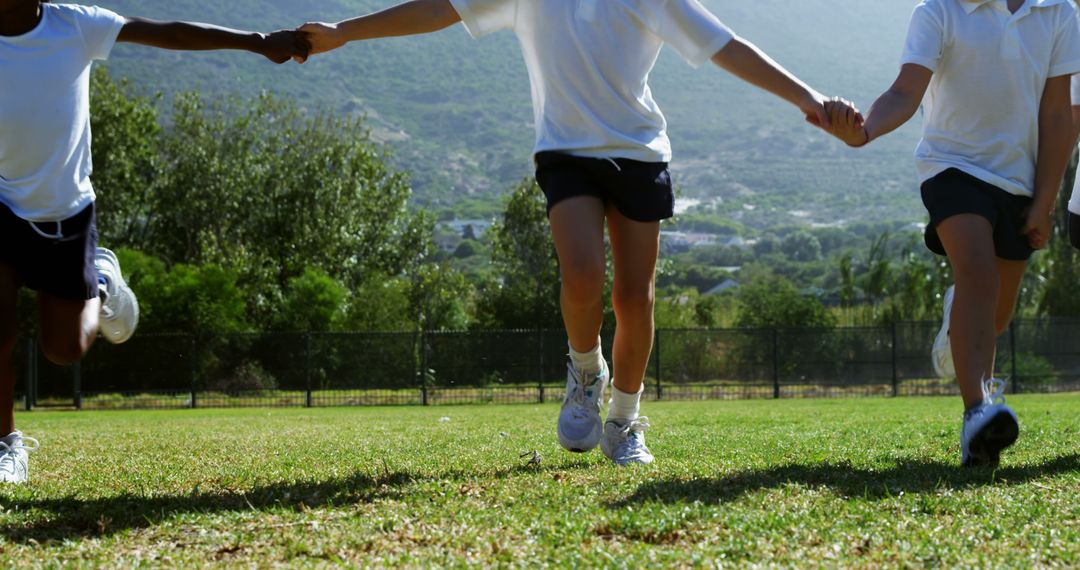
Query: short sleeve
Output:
(1076,90)
(482,17)
(691,29)
(99,28)
(925,44)
(1066,57)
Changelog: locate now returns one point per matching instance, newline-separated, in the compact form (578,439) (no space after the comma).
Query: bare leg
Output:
(1010,275)
(68,327)
(968,240)
(635,247)
(577,225)
(9,296)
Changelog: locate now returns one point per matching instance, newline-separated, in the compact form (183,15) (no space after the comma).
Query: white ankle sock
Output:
(588,362)
(624,407)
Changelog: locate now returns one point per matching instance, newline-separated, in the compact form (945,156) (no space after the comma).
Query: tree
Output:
(127,159)
(314,302)
(801,246)
(775,302)
(526,292)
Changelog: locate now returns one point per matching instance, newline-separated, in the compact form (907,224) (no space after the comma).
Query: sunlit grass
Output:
(863,482)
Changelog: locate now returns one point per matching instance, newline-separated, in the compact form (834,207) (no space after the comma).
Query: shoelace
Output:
(578,395)
(637,426)
(6,448)
(993,391)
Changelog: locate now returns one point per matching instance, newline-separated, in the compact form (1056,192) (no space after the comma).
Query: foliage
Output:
(1060,269)
(524,293)
(776,303)
(277,212)
(313,302)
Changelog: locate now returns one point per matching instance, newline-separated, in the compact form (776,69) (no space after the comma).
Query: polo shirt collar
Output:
(972,5)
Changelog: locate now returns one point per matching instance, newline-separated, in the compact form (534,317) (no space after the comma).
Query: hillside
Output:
(457,111)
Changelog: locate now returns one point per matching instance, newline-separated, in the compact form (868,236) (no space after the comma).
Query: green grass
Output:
(867,483)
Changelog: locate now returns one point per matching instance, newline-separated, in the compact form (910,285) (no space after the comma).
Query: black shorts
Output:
(641,191)
(1074,229)
(955,192)
(62,265)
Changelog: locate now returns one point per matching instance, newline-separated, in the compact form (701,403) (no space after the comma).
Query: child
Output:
(601,157)
(996,141)
(47,224)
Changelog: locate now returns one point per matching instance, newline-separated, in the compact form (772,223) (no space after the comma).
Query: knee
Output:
(634,301)
(977,278)
(583,283)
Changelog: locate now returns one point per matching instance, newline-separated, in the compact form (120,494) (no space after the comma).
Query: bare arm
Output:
(899,103)
(745,61)
(1056,139)
(406,19)
(278,47)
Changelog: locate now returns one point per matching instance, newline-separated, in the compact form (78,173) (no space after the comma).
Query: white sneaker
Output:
(14,455)
(119,307)
(580,426)
(624,444)
(988,429)
(942,353)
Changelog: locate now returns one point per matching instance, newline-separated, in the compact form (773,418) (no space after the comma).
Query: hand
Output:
(847,122)
(323,37)
(283,45)
(814,109)
(1038,228)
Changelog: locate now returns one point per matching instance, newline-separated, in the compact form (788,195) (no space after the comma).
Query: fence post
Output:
(895,369)
(423,368)
(659,384)
(1012,350)
(194,371)
(76,376)
(31,374)
(307,369)
(540,376)
(776,363)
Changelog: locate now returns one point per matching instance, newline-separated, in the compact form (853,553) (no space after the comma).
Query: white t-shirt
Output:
(45,110)
(990,69)
(589,64)
(1074,203)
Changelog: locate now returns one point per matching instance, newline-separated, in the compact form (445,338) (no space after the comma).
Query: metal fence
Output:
(523,366)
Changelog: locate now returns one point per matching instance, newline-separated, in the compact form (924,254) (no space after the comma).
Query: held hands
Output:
(323,37)
(283,45)
(846,122)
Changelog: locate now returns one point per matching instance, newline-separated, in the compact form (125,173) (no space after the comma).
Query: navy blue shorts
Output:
(62,265)
(641,191)
(955,192)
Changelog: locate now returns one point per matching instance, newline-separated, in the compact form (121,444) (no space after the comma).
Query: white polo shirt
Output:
(45,110)
(589,64)
(981,112)
(1074,203)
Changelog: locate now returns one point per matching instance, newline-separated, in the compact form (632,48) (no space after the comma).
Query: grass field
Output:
(865,482)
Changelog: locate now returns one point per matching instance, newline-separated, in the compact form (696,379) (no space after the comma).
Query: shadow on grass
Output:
(64,518)
(912,477)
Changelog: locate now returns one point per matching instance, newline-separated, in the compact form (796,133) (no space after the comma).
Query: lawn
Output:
(865,482)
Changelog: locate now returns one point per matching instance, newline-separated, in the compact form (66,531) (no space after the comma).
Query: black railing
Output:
(346,369)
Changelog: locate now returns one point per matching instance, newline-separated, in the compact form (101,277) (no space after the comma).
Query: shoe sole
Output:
(986,446)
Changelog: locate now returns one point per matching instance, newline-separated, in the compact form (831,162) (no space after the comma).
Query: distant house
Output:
(725,285)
